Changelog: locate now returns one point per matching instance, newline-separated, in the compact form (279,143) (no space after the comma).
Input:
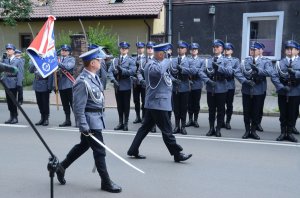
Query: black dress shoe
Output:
(295,131)
(254,135)
(291,138)
(137,120)
(227,126)
(40,122)
(153,130)
(60,173)
(189,123)
(138,156)
(196,125)
(246,135)
(259,128)
(14,120)
(183,131)
(176,130)
(8,121)
(181,157)
(110,186)
(120,126)
(281,137)
(211,132)
(65,123)
(218,132)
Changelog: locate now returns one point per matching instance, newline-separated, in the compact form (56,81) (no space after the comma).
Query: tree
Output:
(13,10)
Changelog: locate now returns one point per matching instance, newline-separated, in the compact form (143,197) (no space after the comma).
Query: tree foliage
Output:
(15,10)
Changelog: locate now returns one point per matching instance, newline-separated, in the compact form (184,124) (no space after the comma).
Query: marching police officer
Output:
(67,64)
(88,109)
(216,87)
(287,82)
(234,64)
(42,87)
(196,86)
(13,81)
(255,69)
(18,54)
(138,91)
(181,70)
(158,105)
(120,73)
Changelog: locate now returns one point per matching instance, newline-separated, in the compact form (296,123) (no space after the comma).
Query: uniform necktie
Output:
(121,59)
(215,59)
(179,60)
(98,80)
(149,57)
(291,61)
(9,61)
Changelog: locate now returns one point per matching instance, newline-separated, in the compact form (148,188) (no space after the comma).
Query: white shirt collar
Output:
(151,56)
(124,56)
(92,74)
(12,57)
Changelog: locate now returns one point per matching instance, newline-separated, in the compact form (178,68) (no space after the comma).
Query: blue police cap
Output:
(194,46)
(140,44)
(291,43)
(183,44)
(150,44)
(256,45)
(66,47)
(93,46)
(218,42)
(162,47)
(298,45)
(93,54)
(10,46)
(262,46)
(17,51)
(124,45)
(228,46)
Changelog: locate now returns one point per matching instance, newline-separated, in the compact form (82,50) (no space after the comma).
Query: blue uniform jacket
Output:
(84,86)
(139,68)
(14,80)
(102,73)
(67,63)
(234,63)
(197,80)
(128,69)
(40,84)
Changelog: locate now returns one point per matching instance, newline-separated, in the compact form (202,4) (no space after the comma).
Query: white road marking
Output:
(14,125)
(192,137)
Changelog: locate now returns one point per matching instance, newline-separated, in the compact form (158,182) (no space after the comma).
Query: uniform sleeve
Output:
(275,78)
(69,64)
(111,70)
(131,69)
(20,74)
(80,97)
(50,82)
(190,69)
(225,68)
(267,71)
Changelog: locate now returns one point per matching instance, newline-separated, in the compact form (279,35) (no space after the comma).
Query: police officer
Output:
(88,109)
(120,73)
(296,51)
(138,91)
(287,83)
(234,63)
(255,69)
(196,86)
(42,87)
(158,104)
(216,86)
(181,70)
(66,63)
(18,54)
(13,81)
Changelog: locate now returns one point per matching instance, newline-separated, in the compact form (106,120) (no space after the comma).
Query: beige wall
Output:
(128,30)
(159,23)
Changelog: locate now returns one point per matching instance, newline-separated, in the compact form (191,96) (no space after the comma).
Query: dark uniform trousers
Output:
(288,110)
(138,96)
(216,104)
(229,104)
(66,97)
(87,142)
(180,102)
(11,106)
(252,109)
(123,103)
(194,101)
(262,109)
(163,122)
(42,99)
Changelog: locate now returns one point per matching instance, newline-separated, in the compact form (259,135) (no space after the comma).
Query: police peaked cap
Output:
(162,47)
(66,47)
(10,46)
(93,46)
(292,44)
(124,45)
(17,51)
(194,46)
(218,42)
(140,44)
(256,45)
(150,44)
(96,53)
(183,44)
(262,45)
(228,46)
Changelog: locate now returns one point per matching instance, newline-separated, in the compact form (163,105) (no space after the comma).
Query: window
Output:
(263,27)
(25,40)
(116,1)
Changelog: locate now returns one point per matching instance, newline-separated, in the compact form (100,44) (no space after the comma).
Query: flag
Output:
(42,49)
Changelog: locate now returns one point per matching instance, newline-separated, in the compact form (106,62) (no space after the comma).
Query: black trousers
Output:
(85,143)
(180,102)
(20,94)
(66,97)
(216,104)
(194,101)
(138,93)
(296,114)
(229,104)
(42,99)
(123,104)
(163,122)
(262,109)
(288,110)
(11,106)
(252,109)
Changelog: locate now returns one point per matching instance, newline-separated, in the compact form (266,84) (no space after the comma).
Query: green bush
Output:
(28,77)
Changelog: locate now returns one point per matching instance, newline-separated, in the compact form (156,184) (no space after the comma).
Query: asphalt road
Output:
(226,167)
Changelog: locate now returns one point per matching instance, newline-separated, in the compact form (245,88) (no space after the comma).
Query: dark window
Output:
(25,41)
(116,1)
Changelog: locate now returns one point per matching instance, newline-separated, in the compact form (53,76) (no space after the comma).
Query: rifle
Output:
(214,76)
(179,74)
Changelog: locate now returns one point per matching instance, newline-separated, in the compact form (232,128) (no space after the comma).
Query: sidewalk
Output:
(270,107)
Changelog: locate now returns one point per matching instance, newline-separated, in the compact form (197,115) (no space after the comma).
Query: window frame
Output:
(20,38)
(262,16)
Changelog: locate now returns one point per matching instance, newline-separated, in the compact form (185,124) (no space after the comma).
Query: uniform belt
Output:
(11,75)
(229,78)
(94,110)
(40,78)
(184,77)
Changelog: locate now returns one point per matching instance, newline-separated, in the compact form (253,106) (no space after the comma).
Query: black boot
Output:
(227,126)
(196,125)
(60,173)
(14,119)
(259,128)
(179,157)
(41,121)
(120,126)
(46,120)
(218,131)
(253,133)
(282,134)
(137,119)
(211,131)
(182,130)
(125,128)
(295,131)
(247,133)
(10,119)
(289,135)
(153,130)
(177,127)
(67,122)
(190,122)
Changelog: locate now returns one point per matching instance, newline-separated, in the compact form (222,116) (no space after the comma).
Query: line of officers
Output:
(190,73)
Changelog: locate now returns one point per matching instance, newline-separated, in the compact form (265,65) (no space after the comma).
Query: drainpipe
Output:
(170,22)
(149,29)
